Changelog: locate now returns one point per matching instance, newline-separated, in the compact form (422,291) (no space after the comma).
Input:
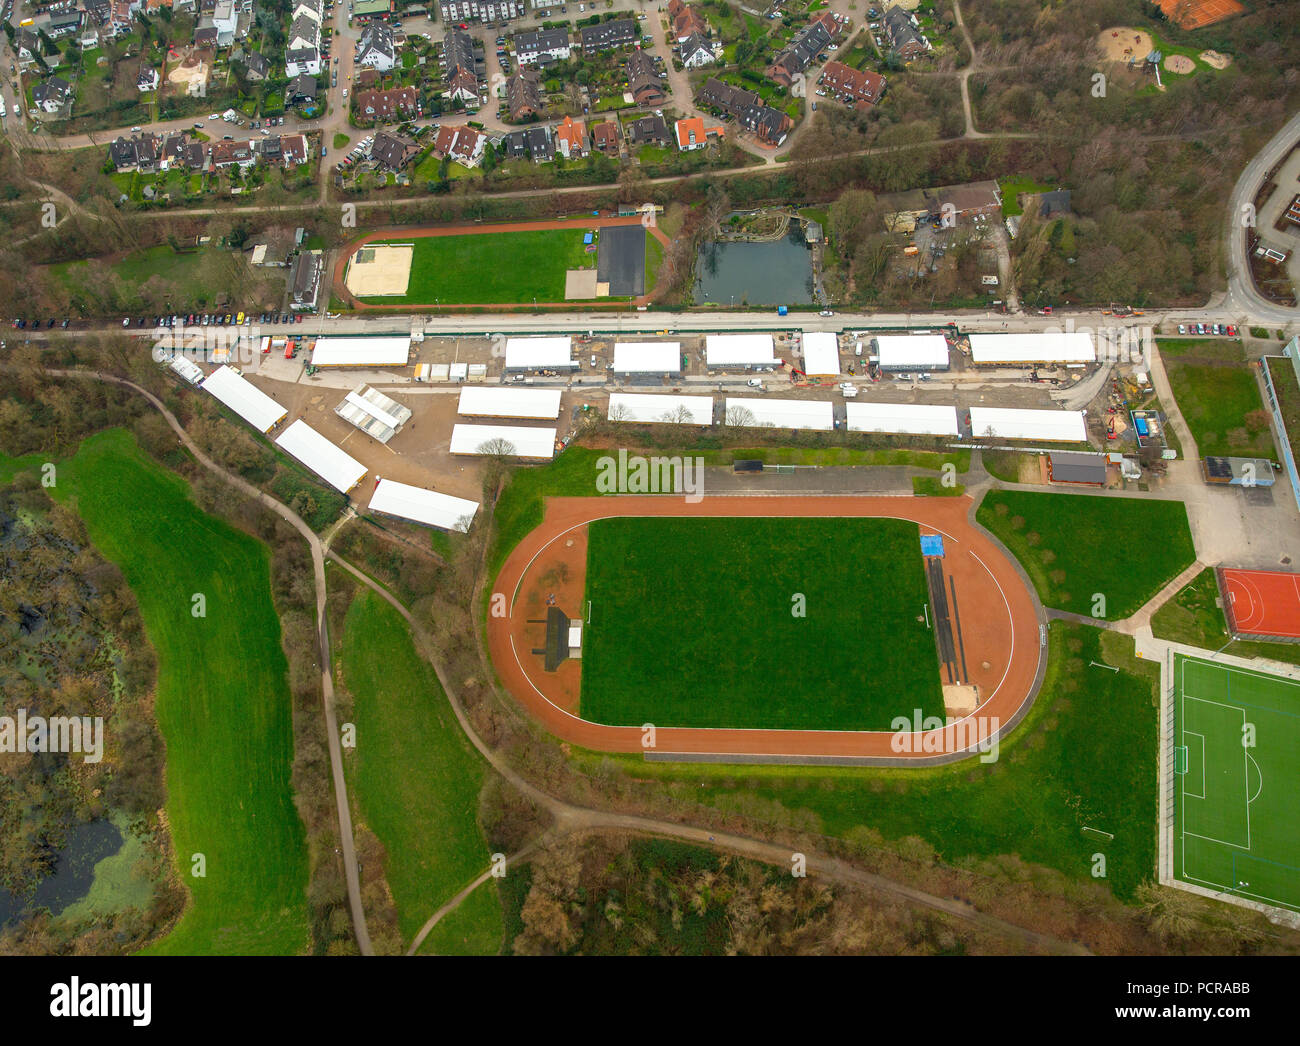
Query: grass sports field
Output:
(693,624)
(1237,801)
(223,700)
(415,778)
(1218,394)
(497,268)
(1077,546)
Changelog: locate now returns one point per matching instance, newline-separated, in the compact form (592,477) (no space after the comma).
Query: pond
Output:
(74,871)
(777,273)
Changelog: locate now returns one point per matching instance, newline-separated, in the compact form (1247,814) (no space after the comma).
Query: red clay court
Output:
(1261,604)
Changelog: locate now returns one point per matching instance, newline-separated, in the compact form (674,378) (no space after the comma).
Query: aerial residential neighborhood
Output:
(518,478)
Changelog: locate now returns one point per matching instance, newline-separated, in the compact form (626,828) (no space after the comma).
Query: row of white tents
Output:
(329,461)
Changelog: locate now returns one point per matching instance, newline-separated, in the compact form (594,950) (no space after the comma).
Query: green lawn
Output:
(654,258)
(692,624)
(1237,804)
(223,701)
(1012,186)
(1219,397)
(1194,617)
(340,141)
(1077,546)
(473,928)
(492,268)
(1085,756)
(414,777)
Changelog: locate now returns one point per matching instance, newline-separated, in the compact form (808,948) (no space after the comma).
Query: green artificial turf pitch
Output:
(1237,804)
(495,268)
(692,624)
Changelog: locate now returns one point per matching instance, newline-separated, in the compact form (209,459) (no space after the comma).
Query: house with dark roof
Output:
(301,60)
(256,67)
(147,80)
(607,35)
(543,45)
(205,36)
(856,87)
(304,280)
(648,130)
(1077,468)
(375,48)
(643,82)
(123,154)
(52,94)
(461,73)
(63,24)
(1054,203)
(524,95)
(696,51)
(747,108)
(28,45)
(804,48)
(392,152)
(533,142)
(302,88)
(903,31)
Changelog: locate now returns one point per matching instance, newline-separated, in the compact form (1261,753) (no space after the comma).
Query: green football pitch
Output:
(1237,763)
(696,623)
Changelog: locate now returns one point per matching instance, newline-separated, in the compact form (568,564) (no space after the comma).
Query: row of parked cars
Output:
(22,324)
(1208,328)
(204,319)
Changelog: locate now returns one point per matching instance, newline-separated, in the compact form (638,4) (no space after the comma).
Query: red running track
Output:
(998,616)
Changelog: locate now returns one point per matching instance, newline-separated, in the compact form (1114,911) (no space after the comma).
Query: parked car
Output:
(1232,331)
(1182,328)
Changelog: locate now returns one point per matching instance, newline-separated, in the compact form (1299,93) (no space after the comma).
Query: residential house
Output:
(65,24)
(649,130)
(305,280)
(571,139)
(544,45)
(534,142)
(225,20)
(694,134)
(123,153)
(302,88)
(608,35)
(461,74)
(696,51)
(174,152)
(464,145)
(232,154)
(1055,203)
(88,38)
(604,138)
(765,122)
(256,67)
(122,16)
(903,31)
(205,36)
(643,81)
(28,46)
(294,149)
(859,88)
(302,60)
(804,48)
(456,11)
(52,94)
(147,80)
(685,22)
(392,152)
(524,95)
(375,48)
(399,103)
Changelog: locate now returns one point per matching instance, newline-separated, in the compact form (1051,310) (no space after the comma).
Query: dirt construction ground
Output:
(997,613)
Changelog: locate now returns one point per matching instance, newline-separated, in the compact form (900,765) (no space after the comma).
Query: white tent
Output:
(373,413)
(912,351)
(648,357)
(362,352)
(539,354)
(1042,347)
(187,369)
(245,399)
(781,414)
(523,442)
(821,354)
(422,506)
(739,350)
(336,467)
(650,407)
(914,419)
(1058,426)
(488,401)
